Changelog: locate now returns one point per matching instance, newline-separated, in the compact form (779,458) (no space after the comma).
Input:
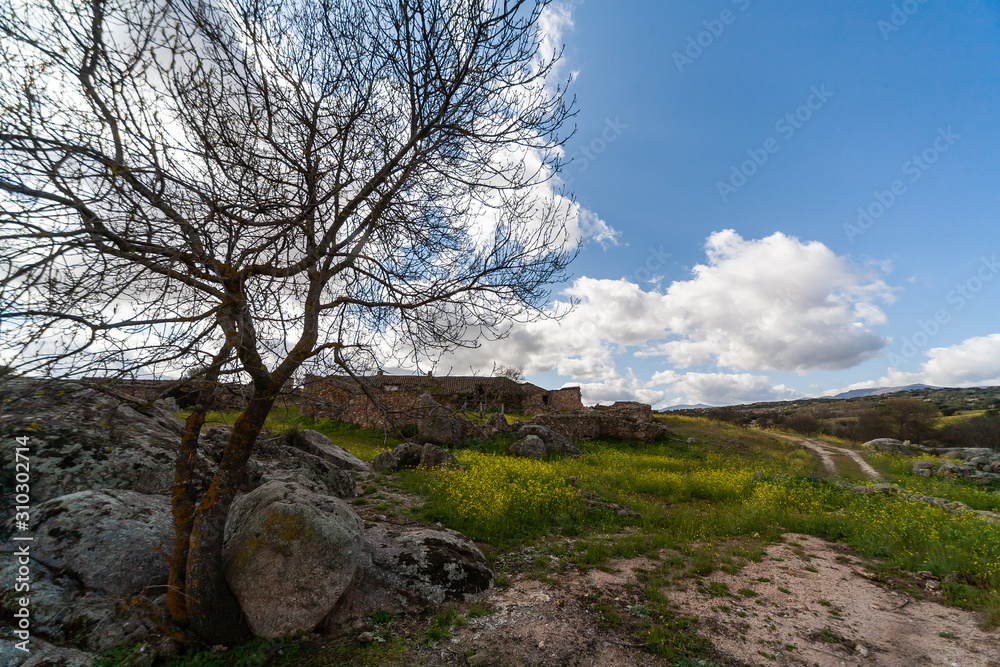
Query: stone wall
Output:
(331,399)
(226,397)
(596,423)
(557,400)
(642,412)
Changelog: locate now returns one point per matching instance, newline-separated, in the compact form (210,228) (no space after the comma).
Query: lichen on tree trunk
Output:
(212,610)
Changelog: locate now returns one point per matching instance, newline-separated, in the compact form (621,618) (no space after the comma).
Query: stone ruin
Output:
(382,401)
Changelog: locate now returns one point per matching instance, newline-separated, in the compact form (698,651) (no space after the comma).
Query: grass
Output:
(366,444)
(704,493)
(899,470)
(712,505)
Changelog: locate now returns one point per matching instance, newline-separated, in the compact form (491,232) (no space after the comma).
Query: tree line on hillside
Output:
(910,419)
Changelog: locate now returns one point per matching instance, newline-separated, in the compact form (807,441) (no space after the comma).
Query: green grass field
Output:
(714,504)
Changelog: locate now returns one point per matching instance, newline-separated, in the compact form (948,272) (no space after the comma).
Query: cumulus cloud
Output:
(775,303)
(600,318)
(722,388)
(588,226)
(973,362)
(672,388)
(771,304)
(619,388)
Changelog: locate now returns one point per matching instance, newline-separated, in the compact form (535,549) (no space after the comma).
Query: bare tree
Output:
(250,186)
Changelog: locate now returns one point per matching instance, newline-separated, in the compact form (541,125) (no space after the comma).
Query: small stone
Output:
(541,645)
(861,650)
(691,441)
(381,517)
(931,585)
(219,648)
(366,638)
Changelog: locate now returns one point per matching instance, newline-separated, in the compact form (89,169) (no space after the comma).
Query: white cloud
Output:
(608,316)
(672,388)
(722,388)
(973,362)
(554,20)
(620,388)
(770,304)
(773,304)
(588,226)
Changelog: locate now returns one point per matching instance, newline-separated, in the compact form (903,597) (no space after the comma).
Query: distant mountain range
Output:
(878,391)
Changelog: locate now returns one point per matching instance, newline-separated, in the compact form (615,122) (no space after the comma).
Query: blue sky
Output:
(777,122)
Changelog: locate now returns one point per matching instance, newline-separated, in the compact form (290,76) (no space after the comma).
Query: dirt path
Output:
(828,452)
(808,602)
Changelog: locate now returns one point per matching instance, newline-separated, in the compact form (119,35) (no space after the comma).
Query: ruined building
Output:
(398,397)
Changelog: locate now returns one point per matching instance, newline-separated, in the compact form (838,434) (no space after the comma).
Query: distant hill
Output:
(851,415)
(878,391)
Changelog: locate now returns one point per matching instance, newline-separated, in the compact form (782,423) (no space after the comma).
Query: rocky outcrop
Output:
(116,542)
(317,444)
(555,443)
(93,553)
(413,455)
(889,445)
(495,423)
(587,425)
(80,440)
(528,447)
(980,468)
(411,569)
(103,528)
(289,554)
(439,425)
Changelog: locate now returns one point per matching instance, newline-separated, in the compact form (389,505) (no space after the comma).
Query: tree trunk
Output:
(182,502)
(213,611)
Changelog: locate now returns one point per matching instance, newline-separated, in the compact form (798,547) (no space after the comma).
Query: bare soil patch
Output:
(810,602)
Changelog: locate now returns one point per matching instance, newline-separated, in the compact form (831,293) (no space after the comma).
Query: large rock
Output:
(529,447)
(555,443)
(414,455)
(317,444)
(438,425)
(412,569)
(116,542)
(437,457)
(92,550)
(889,445)
(495,423)
(289,555)
(405,455)
(82,440)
